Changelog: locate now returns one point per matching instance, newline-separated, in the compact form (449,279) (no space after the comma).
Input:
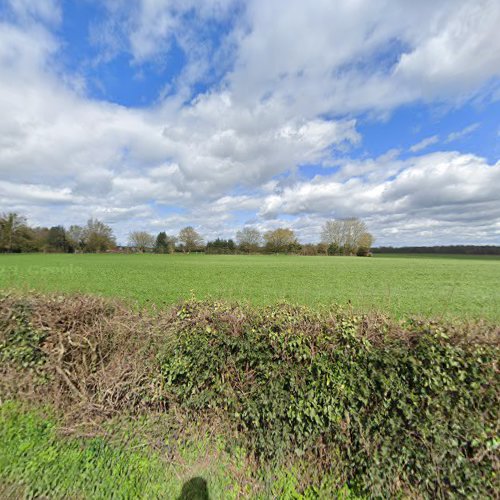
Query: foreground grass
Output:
(454,286)
(35,461)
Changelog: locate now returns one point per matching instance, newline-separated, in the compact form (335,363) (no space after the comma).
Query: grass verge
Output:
(35,461)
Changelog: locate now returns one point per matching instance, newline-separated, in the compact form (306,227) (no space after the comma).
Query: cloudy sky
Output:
(156,114)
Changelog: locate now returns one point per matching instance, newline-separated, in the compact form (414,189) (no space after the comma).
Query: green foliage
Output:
(15,235)
(334,249)
(396,412)
(221,246)
(164,243)
(57,240)
(281,240)
(363,252)
(98,236)
(33,456)
(20,341)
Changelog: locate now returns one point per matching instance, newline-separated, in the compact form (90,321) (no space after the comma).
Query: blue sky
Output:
(157,114)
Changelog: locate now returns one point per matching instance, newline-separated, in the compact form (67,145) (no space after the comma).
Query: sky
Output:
(157,114)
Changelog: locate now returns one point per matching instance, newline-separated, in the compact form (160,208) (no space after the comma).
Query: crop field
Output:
(248,396)
(441,286)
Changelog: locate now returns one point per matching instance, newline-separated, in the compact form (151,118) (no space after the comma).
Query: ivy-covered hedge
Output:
(389,408)
(410,409)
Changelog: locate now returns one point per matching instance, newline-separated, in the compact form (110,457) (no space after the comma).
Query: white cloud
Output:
(454,136)
(150,26)
(424,143)
(440,188)
(461,51)
(14,192)
(28,10)
(318,58)
(298,77)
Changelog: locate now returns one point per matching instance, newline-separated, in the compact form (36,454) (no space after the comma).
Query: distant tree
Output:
(38,239)
(354,229)
(220,246)
(281,240)
(164,243)
(366,240)
(364,245)
(161,243)
(171,241)
(249,239)
(141,240)
(75,236)
(322,248)
(309,249)
(190,239)
(344,236)
(444,249)
(331,235)
(333,249)
(98,236)
(14,232)
(56,239)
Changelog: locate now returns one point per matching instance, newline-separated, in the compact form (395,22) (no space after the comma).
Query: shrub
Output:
(363,252)
(20,341)
(412,409)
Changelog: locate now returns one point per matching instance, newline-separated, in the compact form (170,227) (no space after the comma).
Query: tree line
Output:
(444,249)
(17,236)
(338,237)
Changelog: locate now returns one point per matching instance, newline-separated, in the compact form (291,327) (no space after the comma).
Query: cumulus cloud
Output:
(319,57)
(290,85)
(440,188)
(53,134)
(14,192)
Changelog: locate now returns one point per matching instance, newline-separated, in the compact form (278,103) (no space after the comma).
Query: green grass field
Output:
(97,468)
(456,286)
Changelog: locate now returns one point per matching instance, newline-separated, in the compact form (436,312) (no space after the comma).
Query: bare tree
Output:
(76,237)
(344,235)
(249,239)
(13,231)
(331,232)
(141,240)
(353,229)
(190,238)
